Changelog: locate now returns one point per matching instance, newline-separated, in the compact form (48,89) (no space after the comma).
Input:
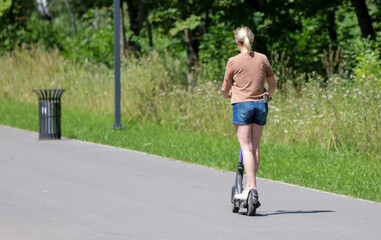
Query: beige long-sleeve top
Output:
(245,75)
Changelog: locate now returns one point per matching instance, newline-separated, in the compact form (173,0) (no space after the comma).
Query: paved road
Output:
(73,190)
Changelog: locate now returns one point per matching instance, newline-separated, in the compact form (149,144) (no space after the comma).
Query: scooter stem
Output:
(239,174)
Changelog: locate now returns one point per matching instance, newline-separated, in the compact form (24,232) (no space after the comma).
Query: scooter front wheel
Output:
(235,207)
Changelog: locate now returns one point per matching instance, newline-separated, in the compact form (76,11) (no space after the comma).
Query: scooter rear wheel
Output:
(251,205)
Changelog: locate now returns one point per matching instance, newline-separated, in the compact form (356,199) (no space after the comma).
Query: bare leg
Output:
(256,138)
(249,137)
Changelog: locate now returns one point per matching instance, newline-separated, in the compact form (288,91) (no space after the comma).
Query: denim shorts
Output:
(250,112)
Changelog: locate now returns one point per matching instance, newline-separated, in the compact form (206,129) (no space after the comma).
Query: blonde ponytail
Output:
(247,44)
(244,36)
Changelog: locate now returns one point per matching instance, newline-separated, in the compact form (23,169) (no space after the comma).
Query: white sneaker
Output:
(242,196)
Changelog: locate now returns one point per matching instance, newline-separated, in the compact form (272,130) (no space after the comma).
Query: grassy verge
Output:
(301,164)
(333,114)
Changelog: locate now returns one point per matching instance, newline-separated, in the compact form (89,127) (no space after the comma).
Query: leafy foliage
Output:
(5,6)
(300,31)
(94,41)
(191,23)
(368,70)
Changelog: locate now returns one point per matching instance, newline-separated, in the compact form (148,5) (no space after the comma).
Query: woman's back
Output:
(246,73)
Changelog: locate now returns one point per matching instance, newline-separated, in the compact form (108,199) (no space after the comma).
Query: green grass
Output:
(301,164)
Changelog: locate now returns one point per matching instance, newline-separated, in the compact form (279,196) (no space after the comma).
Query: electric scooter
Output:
(251,203)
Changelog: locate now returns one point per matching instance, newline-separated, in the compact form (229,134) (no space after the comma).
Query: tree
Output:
(72,18)
(138,12)
(137,15)
(364,19)
(43,9)
(191,42)
(5,6)
(123,42)
(331,24)
(189,19)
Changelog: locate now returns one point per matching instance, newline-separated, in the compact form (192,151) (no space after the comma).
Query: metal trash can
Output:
(49,113)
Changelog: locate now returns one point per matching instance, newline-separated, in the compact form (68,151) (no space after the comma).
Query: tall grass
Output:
(332,114)
(336,116)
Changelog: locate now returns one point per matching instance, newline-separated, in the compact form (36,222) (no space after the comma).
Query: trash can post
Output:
(49,113)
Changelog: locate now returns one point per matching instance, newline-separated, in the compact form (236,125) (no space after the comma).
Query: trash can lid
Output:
(49,93)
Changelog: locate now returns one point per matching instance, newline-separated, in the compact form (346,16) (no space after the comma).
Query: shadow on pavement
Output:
(281,212)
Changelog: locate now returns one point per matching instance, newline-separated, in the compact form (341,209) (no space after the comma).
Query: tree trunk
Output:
(72,19)
(43,9)
(256,4)
(332,26)
(364,19)
(136,20)
(96,18)
(191,46)
(11,12)
(142,16)
(192,52)
(123,43)
(149,33)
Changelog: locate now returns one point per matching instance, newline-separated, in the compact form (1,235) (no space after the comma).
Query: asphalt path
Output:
(69,190)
